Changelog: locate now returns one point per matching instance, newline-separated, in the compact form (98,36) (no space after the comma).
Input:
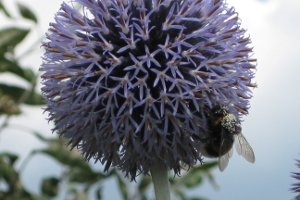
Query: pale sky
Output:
(271,126)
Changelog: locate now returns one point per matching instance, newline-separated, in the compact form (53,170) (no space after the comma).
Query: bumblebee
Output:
(224,130)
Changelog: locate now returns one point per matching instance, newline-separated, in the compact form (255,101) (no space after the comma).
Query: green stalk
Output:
(160,179)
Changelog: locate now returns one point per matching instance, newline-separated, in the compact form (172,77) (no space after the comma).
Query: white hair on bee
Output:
(230,122)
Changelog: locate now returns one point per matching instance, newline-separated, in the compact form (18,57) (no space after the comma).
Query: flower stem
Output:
(160,179)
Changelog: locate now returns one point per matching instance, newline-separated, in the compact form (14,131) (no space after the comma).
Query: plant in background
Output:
(131,82)
(12,96)
(296,186)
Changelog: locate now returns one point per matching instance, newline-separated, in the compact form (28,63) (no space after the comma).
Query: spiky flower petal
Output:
(127,81)
(296,186)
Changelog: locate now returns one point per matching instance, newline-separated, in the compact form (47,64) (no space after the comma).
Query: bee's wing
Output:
(243,148)
(224,160)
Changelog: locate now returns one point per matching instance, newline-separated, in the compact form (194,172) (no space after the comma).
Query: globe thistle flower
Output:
(129,81)
(296,186)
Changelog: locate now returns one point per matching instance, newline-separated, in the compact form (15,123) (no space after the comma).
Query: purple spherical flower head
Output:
(128,81)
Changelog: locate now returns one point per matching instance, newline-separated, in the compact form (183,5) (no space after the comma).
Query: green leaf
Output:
(192,180)
(179,193)
(27,13)
(212,180)
(195,176)
(10,157)
(58,150)
(202,168)
(20,194)
(10,177)
(16,93)
(14,67)
(197,198)
(84,175)
(122,186)
(49,186)
(7,172)
(207,166)
(40,136)
(2,8)
(144,197)
(8,105)
(99,194)
(144,184)
(10,38)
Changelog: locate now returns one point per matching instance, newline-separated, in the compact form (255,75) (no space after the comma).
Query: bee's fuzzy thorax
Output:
(230,122)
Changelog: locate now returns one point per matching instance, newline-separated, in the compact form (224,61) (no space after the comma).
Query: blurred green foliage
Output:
(79,180)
